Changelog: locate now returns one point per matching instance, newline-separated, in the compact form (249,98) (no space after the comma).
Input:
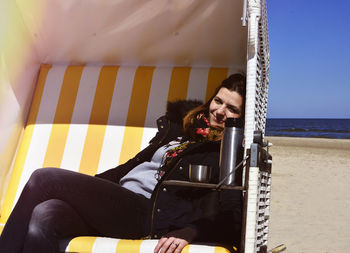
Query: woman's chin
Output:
(217,126)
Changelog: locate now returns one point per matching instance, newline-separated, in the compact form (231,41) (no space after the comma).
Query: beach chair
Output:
(89,110)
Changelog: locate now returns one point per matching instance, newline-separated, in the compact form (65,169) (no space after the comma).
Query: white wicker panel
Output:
(257,70)
(263,209)
(252,208)
(256,108)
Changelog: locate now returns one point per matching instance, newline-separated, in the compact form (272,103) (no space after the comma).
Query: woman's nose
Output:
(221,110)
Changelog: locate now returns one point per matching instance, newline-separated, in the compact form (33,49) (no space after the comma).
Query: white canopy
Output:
(157,32)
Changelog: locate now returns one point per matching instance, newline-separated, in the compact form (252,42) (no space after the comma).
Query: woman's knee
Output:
(42,228)
(46,215)
(56,217)
(42,176)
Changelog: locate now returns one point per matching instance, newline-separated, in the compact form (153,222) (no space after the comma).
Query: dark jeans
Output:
(57,203)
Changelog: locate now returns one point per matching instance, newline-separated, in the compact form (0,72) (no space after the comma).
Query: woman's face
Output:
(226,104)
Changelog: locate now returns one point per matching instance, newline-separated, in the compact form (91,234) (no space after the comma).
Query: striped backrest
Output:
(92,118)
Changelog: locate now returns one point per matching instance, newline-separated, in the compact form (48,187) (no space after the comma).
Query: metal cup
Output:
(199,173)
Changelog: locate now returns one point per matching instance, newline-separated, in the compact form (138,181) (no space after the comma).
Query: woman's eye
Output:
(233,110)
(217,100)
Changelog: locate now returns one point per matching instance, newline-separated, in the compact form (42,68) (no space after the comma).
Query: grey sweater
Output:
(142,179)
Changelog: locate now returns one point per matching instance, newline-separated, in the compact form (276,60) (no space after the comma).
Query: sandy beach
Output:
(310,198)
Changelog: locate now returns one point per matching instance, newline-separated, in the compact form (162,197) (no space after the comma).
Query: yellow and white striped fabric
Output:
(109,245)
(92,118)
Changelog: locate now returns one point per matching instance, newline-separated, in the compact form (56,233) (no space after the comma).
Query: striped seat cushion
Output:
(92,118)
(109,245)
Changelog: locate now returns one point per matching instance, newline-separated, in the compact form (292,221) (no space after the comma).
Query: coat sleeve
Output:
(228,221)
(223,227)
(220,217)
(223,223)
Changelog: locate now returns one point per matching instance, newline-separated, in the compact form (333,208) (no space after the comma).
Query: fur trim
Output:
(177,110)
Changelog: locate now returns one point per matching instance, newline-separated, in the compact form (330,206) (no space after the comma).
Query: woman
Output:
(131,201)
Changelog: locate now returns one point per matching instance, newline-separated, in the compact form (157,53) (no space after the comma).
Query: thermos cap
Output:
(234,122)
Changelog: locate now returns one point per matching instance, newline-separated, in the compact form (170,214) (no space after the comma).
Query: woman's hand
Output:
(170,245)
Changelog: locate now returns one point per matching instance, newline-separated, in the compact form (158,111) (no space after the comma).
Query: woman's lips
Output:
(218,121)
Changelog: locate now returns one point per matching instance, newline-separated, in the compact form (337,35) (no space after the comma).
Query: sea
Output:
(310,128)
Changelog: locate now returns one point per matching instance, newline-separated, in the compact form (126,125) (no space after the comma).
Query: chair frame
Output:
(257,175)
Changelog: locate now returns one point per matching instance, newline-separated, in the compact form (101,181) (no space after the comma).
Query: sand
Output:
(310,198)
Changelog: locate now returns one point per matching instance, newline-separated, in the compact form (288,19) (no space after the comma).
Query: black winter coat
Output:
(194,214)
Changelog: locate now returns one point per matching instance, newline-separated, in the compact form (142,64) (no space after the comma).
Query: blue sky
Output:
(309,58)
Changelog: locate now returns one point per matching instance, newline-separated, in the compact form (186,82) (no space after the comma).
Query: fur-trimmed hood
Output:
(177,110)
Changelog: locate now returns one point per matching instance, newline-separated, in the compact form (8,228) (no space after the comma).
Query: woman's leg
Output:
(109,209)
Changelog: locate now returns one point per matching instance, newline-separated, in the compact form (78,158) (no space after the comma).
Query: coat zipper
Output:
(166,134)
(156,196)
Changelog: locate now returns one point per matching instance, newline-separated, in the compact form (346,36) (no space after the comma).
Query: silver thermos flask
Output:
(231,150)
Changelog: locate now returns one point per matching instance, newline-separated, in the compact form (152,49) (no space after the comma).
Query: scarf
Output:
(199,131)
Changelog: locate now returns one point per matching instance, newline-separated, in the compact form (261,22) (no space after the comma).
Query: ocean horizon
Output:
(308,127)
